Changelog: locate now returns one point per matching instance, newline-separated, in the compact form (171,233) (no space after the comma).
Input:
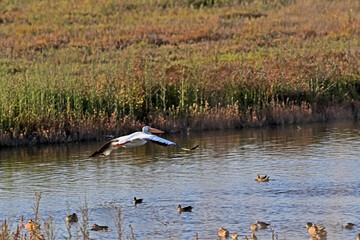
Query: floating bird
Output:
(349,226)
(184,209)
(72,218)
(262,225)
(223,233)
(264,178)
(96,227)
(234,236)
(135,140)
(32,226)
(253,227)
(136,201)
(316,230)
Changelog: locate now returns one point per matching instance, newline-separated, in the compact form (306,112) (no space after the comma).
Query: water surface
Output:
(314,176)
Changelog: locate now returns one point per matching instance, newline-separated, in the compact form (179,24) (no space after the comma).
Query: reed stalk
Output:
(61,83)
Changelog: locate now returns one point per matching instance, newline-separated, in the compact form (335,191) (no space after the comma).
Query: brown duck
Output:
(184,209)
(223,233)
(98,228)
(262,225)
(264,178)
(316,230)
(72,218)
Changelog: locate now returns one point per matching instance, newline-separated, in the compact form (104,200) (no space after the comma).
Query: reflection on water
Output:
(313,177)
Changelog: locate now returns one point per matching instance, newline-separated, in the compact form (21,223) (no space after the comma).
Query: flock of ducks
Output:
(73,218)
(316,231)
(224,233)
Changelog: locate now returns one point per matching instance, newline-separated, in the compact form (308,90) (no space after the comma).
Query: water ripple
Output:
(313,177)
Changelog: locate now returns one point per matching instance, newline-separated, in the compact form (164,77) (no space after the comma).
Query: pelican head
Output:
(148,129)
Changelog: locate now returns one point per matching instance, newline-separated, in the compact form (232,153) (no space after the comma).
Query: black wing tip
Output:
(194,147)
(188,149)
(96,154)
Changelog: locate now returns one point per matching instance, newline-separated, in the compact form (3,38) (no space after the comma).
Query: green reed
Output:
(64,84)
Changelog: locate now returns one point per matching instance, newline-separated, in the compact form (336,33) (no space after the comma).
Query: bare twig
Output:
(85,220)
(37,205)
(68,226)
(132,236)
(163,223)
(49,229)
(118,221)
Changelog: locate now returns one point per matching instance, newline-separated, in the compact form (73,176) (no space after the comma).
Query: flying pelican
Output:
(134,140)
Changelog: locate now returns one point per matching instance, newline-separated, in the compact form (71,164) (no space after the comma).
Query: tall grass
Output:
(89,69)
(46,229)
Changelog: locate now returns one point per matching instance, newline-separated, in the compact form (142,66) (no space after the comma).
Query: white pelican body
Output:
(135,140)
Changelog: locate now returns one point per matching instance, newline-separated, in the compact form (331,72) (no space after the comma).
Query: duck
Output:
(264,178)
(253,227)
(223,233)
(184,209)
(234,236)
(262,225)
(253,237)
(96,227)
(349,226)
(316,230)
(136,201)
(32,226)
(196,237)
(72,218)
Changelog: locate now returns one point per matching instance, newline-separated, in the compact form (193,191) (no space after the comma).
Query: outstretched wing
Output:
(164,142)
(134,140)
(107,148)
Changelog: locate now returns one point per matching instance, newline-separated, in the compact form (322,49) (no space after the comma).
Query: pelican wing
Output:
(163,142)
(108,147)
(105,149)
(134,140)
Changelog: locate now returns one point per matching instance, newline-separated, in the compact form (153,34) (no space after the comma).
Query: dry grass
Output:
(78,70)
(47,229)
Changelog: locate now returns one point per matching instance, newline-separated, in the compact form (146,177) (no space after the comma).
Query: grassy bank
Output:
(77,70)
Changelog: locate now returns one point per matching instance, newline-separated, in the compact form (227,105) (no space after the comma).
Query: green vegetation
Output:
(76,70)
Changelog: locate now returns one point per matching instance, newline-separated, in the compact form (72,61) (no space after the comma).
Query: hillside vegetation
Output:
(77,70)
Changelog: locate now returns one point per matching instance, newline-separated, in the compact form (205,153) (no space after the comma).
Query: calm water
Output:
(314,176)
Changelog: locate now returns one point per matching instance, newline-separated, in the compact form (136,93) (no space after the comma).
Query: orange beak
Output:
(154,130)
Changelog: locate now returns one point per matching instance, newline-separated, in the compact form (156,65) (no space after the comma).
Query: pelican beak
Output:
(154,130)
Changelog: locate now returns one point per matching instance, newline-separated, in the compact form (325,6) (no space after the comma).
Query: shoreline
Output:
(220,119)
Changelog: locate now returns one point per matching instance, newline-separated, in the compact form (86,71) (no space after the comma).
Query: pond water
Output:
(314,176)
